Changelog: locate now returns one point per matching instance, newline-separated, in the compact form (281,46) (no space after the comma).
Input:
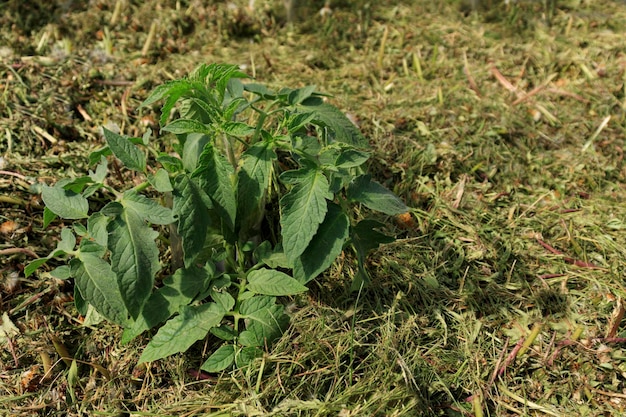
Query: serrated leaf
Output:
(97,228)
(134,258)
(179,333)
(193,148)
(235,106)
(191,206)
(298,120)
(302,209)
(65,203)
(271,282)
(183,126)
(246,355)
(200,109)
(97,284)
(224,332)
(332,118)
(178,290)
(298,95)
(274,258)
(215,175)
(350,158)
(374,196)
(252,184)
(170,163)
(160,181)
(125,151)
(237,129)
(221,359)
(224,299)
(325,246)
(147,208)
(256,303)
(264,326)
(170,88)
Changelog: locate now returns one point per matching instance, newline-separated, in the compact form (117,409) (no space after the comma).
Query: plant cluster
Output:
(257,200)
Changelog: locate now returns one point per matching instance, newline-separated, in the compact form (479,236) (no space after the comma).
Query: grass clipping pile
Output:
(505,132)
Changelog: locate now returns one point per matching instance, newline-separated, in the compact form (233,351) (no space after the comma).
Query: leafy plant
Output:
(257,201)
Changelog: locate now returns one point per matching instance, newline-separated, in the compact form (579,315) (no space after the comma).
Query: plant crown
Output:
(257,201)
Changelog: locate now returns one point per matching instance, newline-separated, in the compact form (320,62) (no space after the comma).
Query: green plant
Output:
(263,183)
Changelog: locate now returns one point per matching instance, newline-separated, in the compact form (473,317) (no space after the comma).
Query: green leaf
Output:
(34,265)
(302,209)
(325,246)
(125,151)
(170,88)
(255,304)
(274,258)
(224,332)
(191,206)
(65,203)
(237,129)
(297,121)
(182,126)
(350,158)
(178,290)
(331,117)
(101,171)
(97,228)
(193,148)
(160,181)
(147,208)
(96,156)
(260,90)
(235,106)
(374,196)
(179,333)
(264,326)
(216,179)
(134,258)
(97,284)
(224,299)
(170,163)
(48,217)
(252,184)
(67,242)
(271,282)
(364,238)
(246,355)
(199,109)
(221,359)
(298,95)
(62,272)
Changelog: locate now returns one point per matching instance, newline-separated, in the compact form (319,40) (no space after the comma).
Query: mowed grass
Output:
(504,130)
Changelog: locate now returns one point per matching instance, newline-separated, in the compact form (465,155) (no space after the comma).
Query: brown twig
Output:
(13,251)
(567,259)
(509,359)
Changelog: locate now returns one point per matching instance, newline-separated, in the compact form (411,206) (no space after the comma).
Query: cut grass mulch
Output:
(504,292)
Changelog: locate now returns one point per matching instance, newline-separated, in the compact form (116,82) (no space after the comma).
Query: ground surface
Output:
(504,130)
